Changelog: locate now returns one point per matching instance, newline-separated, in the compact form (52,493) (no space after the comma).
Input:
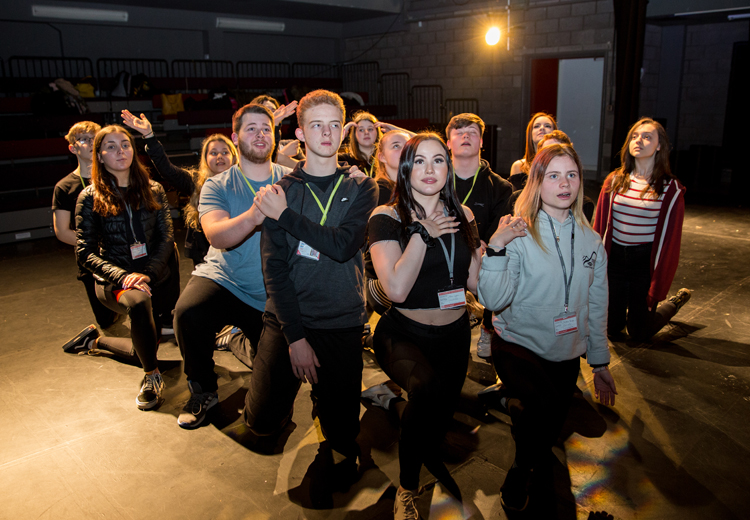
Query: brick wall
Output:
(650,68)
(705,81)
(451,52)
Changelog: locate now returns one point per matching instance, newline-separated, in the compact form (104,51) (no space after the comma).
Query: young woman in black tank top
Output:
(424,248)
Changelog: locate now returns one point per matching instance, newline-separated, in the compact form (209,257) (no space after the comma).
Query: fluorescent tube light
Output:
(246,24)
(77,13)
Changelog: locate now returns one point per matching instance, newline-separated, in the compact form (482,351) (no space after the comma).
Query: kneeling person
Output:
(313,270)
(228,287)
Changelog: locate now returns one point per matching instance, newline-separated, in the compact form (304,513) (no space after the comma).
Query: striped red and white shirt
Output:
(634,218)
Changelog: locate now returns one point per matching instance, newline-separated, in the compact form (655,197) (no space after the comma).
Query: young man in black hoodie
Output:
(313,272)
(483,191)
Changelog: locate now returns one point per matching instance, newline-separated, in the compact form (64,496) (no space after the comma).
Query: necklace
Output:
(554,230)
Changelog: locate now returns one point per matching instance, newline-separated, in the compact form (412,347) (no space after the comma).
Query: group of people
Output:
(290,261)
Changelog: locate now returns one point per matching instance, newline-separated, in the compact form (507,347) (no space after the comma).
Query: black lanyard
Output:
(568,281)
(129,212)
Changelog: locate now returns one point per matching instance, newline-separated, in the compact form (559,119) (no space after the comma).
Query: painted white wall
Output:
(579,106)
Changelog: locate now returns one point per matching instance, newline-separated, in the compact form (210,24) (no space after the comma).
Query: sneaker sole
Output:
(193,425)
(149,405)
(74,341)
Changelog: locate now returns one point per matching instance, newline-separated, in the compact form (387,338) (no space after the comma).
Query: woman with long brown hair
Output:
(639,217)
(539,125)
(425,250)
(218,154)
(364,136)
(125,237)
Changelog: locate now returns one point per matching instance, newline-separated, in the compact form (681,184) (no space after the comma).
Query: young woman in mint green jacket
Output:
(545,276)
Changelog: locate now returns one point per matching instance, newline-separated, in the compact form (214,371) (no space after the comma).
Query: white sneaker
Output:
(404,507)
(379,395)
(484,346)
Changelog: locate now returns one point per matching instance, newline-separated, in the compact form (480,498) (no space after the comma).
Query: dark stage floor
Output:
(73,445)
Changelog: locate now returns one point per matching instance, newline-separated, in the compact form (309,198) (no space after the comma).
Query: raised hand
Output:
(283,112)
(139,124)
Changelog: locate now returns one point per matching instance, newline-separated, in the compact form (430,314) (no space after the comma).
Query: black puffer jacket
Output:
(102,244)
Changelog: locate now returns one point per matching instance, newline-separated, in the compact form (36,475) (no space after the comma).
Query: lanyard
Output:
(330,199)
(568,281)
(273,179)
(130,214)
(82,183)
(449,259)
(472,184)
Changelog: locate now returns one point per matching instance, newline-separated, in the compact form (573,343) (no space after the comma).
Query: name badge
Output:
(565,323)
(452,298)
(307,252)
(138,250)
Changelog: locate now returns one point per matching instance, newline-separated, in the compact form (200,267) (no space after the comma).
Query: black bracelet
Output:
(417,227)
(491,251)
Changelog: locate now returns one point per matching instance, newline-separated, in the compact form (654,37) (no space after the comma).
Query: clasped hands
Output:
(137,281)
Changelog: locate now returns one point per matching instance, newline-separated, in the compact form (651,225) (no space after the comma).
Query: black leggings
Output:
(139,306)
(430,363)
(629,274)
(105,316)
(545,390)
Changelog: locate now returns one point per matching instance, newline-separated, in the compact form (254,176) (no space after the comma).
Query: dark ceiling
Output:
(264,8)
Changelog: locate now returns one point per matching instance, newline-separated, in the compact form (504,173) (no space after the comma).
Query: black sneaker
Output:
(514,494)
(82,339)
(198,405)
(151,390)
(681,298)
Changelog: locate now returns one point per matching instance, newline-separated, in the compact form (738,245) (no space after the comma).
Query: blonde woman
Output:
(545,273)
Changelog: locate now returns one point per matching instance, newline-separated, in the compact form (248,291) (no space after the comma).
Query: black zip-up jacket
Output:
(488,201)
(325,293)
(102,244)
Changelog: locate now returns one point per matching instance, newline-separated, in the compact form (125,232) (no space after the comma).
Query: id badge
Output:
(307,252)
(452,297)
(565,323)
(138,250)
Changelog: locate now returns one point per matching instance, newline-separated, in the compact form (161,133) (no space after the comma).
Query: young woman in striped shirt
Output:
(639,217)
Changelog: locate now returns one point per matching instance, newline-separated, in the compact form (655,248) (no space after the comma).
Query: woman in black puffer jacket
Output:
(125,237)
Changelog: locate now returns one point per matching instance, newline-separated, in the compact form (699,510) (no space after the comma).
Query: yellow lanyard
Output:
(82,183)
(330,199)
(472,184)
(273,179)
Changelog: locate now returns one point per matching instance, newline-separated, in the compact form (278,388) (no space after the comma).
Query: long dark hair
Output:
(107,202)
(403,199)
(662,172)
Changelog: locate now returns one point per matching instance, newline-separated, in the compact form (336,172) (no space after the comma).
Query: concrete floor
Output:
(73,445)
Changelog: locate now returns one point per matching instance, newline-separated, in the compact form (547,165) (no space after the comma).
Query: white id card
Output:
(308,252)
(452,298)
(565,323)
(138,250)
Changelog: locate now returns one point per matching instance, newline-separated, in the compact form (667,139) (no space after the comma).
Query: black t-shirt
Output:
(66,194)
(433,275)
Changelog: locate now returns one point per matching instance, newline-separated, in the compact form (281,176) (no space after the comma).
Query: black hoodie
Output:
(488,200)
(326,293)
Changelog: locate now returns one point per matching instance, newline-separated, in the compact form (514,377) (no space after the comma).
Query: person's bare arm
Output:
(224,232)
(61,224)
